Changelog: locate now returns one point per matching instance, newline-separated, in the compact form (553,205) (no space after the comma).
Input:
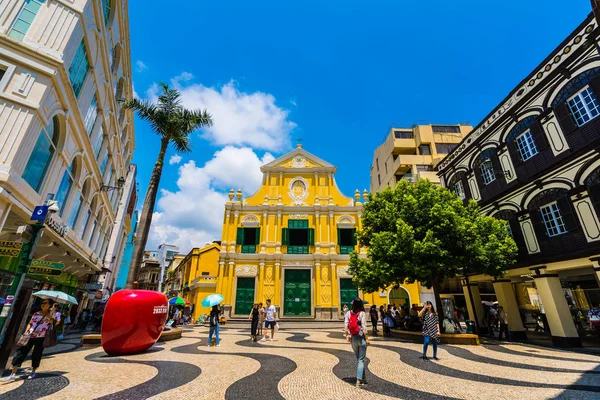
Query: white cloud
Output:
(175,159)
(192,215)
(135,94)
(140,66)
(240,118)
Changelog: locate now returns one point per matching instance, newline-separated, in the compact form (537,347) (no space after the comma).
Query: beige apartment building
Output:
(413,153)
(64,68)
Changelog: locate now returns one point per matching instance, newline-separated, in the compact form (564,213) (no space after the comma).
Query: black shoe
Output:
(436,359)
(424,358)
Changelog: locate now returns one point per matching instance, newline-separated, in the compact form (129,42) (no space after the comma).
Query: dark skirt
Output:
(254,326)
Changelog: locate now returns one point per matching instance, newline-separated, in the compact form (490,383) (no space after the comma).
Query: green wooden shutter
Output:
(285,236)
(354,242)
(311,237)
(240,236)
(257,240)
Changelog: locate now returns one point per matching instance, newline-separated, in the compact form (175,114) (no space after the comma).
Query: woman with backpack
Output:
(431,329)
(214,325)
(356,333)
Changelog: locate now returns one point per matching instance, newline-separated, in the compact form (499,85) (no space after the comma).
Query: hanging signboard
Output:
(9,248)
(43,267)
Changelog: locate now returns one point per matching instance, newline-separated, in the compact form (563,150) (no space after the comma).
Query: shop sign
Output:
(10,248)
(98,295)
(91,287)
(56,224)
(39,213)
(43,267)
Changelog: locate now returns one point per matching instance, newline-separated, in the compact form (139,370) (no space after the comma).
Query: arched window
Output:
(399,296)
(552,214)
(513,228)
(66,184)
(106,8)
(526,140)
(25,18)
(78,205)
(484,166)
(459,185)
(41,156)
(592,183)
(577,102)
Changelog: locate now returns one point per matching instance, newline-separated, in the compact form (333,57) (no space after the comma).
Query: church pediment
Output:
(299,159)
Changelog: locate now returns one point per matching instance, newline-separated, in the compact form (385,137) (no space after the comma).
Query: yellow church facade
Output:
(290,242)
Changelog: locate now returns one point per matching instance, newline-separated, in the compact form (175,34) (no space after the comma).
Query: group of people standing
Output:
(262,318)
(355,328)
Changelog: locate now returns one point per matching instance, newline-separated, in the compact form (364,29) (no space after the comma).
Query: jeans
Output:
(426,341)
(215,330)
(38,348)
(359,345)
(503,328)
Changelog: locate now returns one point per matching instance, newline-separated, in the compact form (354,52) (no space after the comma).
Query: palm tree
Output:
(174,124)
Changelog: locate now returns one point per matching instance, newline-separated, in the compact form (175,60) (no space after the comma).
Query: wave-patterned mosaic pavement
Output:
(308,363)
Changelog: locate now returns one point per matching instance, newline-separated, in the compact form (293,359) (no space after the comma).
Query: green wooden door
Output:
(348,292)
(244,296)
(297,292)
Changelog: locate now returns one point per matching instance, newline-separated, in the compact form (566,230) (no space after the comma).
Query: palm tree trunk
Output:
(143,230)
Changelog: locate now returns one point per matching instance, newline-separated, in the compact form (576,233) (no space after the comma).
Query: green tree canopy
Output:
(423,232)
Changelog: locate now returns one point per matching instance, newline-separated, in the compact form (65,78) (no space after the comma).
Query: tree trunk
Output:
(437,288)
(141,236)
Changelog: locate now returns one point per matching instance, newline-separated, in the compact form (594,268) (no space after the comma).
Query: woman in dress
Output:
(40,322)
(262,315)
(431,329)
(254,324)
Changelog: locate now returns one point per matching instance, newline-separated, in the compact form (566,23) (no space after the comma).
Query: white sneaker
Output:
(10,378)
(209,345)
(263,340)
(219,345)
(271,339)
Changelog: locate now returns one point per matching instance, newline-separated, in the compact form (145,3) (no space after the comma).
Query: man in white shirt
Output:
(270,320)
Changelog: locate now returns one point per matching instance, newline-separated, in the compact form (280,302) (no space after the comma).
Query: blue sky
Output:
(334,73)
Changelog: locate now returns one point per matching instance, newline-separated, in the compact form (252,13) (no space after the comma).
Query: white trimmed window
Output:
(526,145)
(91,115)
(553,220)
(584,106)
(487,172)
(459,189)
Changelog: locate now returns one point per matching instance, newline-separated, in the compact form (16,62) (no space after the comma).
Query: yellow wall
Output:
(196,285)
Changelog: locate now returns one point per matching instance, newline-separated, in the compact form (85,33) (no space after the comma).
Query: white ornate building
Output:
(64,67)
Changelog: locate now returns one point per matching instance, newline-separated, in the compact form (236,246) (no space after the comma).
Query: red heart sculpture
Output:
(133,321)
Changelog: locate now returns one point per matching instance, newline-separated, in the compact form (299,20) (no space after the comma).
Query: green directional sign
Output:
(43,267)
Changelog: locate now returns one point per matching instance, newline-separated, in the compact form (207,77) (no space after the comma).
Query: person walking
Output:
(431,329)
(374,319)
(262,314)
(40,323)
(356,334)
(503,318)
(270,320)
(594,319)
(214,326)
(253,317)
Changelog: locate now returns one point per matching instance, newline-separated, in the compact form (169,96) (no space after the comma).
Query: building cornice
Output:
(552,64)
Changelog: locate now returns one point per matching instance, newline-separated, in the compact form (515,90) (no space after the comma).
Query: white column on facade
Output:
(562,328)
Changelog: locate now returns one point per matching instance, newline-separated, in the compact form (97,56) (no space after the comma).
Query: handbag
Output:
(50,338)
(24,339)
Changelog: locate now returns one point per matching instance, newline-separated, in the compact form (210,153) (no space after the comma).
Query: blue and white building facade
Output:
(64,68)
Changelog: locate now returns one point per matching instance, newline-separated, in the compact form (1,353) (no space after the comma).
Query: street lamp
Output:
(106,188)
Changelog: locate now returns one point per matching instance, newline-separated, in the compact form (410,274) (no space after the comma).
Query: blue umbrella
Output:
(212,300)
